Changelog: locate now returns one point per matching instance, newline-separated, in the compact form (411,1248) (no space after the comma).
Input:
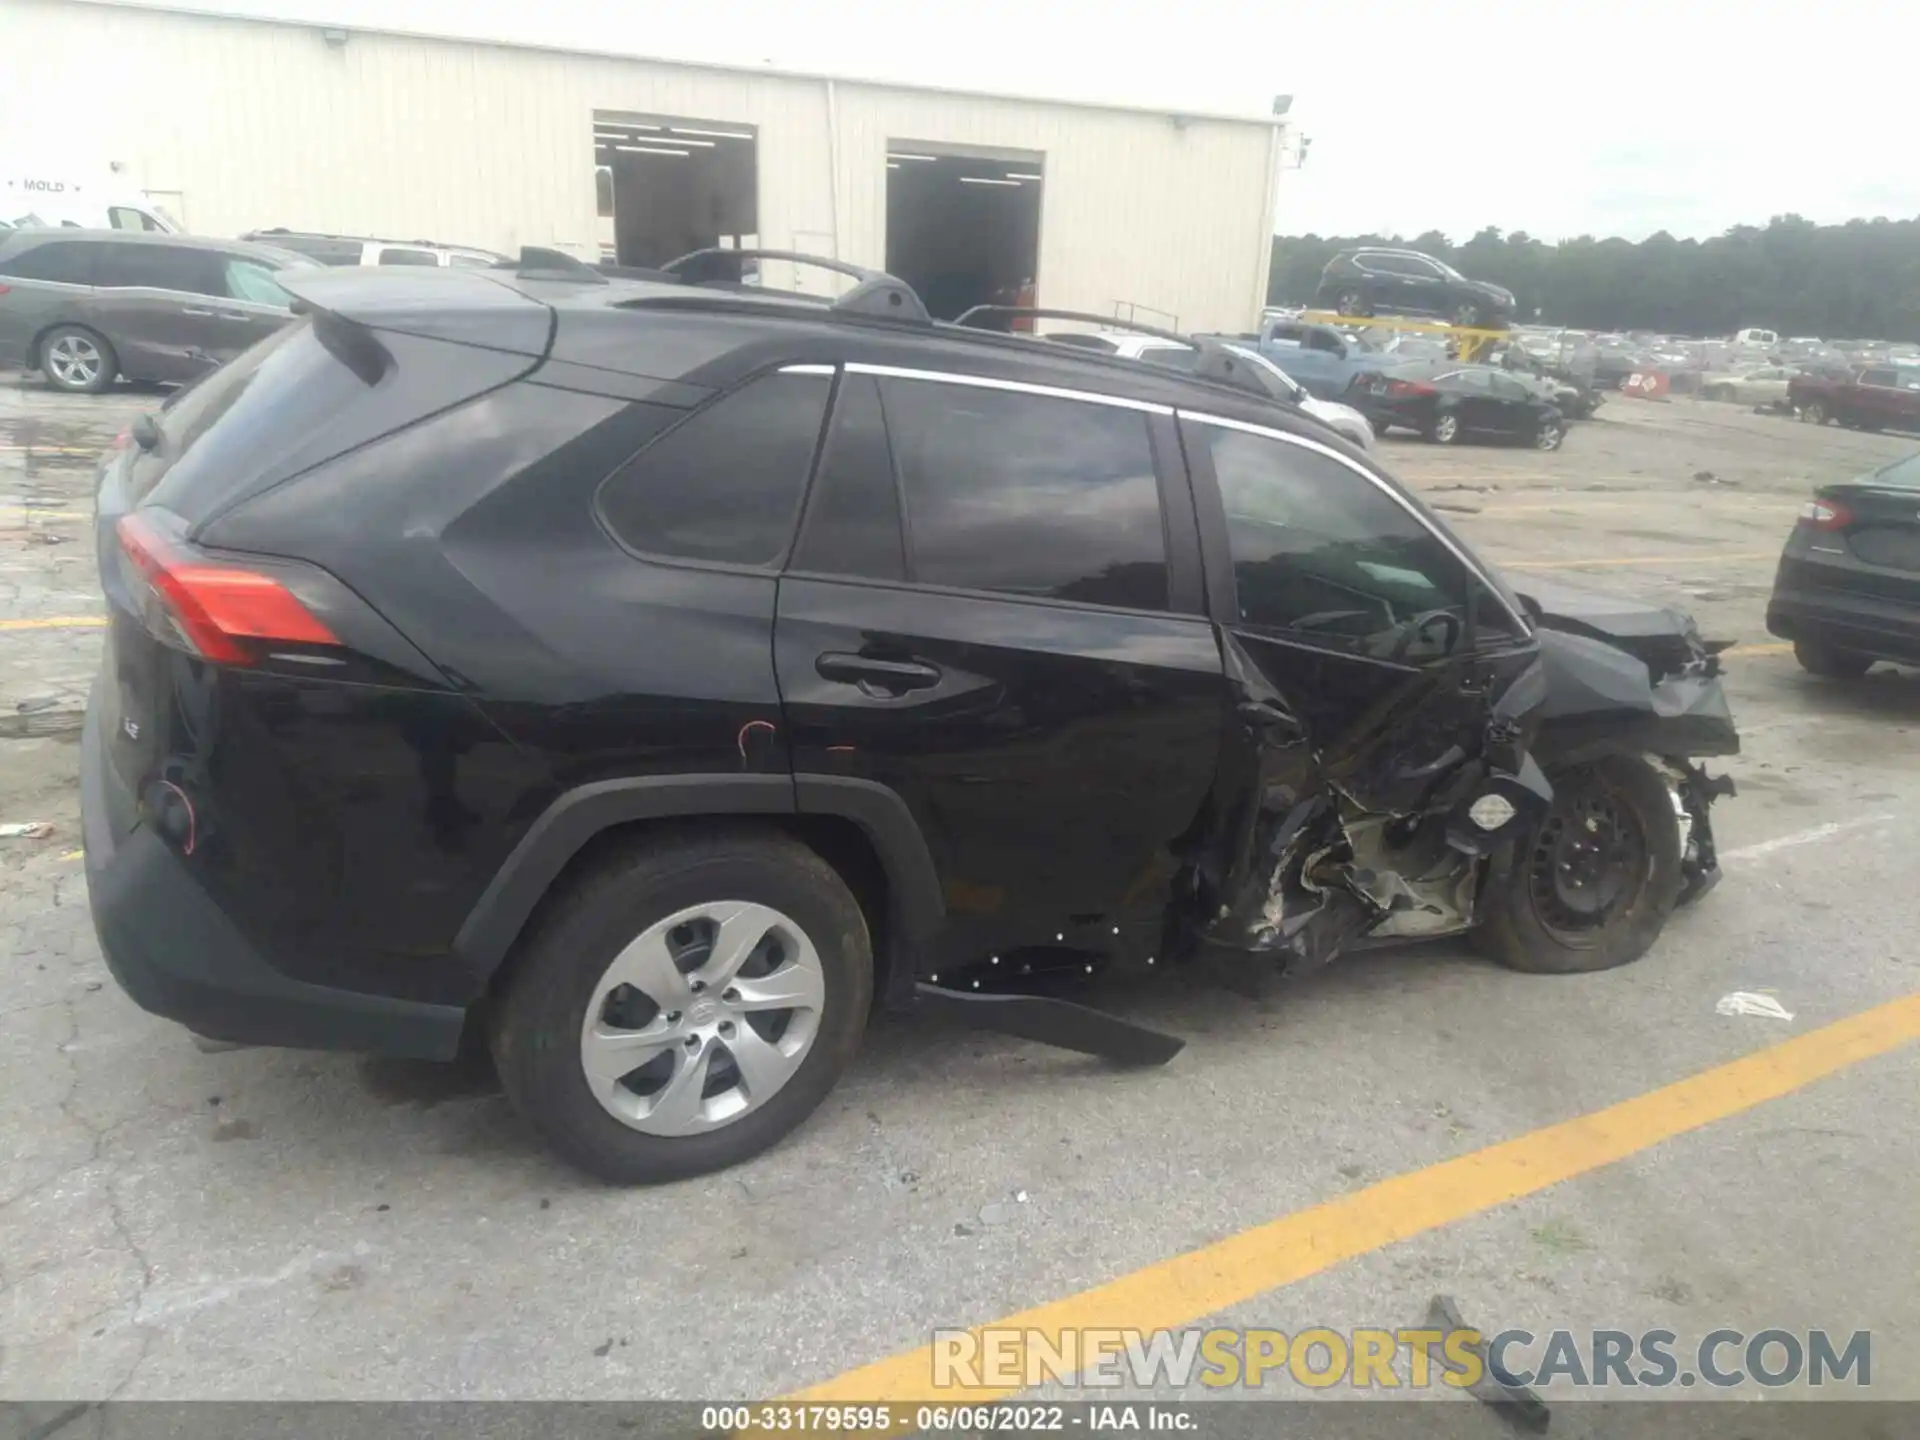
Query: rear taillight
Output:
(1410,387)
(1825,515)
(219,611)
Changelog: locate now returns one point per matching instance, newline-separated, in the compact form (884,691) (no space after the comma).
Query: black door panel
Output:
(1053,762)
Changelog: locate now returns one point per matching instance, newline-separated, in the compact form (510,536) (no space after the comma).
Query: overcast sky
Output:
(1556,118)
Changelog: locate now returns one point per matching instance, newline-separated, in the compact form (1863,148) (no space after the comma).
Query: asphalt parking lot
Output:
(269,1224)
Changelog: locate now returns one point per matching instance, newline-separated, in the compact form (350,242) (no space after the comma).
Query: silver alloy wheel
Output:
(74,360)
(1446,427)
(1548,438)
(702,1018)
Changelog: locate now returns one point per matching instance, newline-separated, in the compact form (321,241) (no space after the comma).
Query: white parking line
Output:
(1802,837)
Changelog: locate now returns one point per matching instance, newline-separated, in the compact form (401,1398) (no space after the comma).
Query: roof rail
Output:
(1216,362)
(538,263)
(879,295)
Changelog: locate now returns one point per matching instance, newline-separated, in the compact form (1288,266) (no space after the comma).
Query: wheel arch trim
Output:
(575,817)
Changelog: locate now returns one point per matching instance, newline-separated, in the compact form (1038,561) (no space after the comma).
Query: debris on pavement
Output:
(1760,1003)
(26,830)
(1516,1404)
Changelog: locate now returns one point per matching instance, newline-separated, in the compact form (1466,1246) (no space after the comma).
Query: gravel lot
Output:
(271,1224)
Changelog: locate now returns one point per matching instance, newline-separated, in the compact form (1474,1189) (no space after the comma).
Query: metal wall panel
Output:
(256,124)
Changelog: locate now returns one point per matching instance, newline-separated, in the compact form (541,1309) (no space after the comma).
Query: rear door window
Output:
(1030,495)
(852,525)
(180,268)
(396,255)
(69,262)
(724,485)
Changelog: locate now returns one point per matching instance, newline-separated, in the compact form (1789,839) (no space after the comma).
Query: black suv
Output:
(650,675)
(1405,282)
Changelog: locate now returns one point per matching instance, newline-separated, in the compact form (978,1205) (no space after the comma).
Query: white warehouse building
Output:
(236,125)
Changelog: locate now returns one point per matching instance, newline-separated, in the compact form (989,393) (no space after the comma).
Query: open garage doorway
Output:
(667,186)
(963,226)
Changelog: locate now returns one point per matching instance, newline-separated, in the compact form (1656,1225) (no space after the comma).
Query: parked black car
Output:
(87,306)
(1375,281)
(1446,401)
(649,676)
(1847,592)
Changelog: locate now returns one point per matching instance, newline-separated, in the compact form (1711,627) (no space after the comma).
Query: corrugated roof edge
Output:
(867,81)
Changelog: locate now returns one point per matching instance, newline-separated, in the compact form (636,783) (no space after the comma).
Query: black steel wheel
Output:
(1593,886)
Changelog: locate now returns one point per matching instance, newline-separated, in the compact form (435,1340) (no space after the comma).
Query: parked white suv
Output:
(367,250)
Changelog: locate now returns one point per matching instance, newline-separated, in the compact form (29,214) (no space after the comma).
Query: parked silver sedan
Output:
(1761,385)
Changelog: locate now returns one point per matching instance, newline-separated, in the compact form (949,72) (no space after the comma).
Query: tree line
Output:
(1856,281)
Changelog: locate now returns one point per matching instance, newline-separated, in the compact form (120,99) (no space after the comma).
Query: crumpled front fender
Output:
(1602,700)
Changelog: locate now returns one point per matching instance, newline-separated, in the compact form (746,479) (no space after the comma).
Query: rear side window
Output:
(122,265)
(66,261)
(1027,495)
(1321,553)
(723,485)
(393,255)
(125,217)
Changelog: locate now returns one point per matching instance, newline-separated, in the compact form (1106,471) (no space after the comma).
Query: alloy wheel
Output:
(702,1018)
(74,361)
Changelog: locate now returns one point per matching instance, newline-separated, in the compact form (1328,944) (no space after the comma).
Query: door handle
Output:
(874,676)
(196,310)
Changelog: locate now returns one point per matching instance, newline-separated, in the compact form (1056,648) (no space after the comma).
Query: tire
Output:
(1534,922)
(1830,662)
(77,360)
(663,898)
(1814,413)
(1352,302)
(1445,429)
(1549,436)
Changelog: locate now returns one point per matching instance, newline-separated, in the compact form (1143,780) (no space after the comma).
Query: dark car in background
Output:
(1406,282)
(1847,592)
(1877,397)
(88,306)
(1445,401)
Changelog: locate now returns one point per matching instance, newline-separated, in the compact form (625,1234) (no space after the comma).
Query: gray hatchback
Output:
(87,306)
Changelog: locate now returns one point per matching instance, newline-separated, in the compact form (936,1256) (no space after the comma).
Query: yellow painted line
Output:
(52,449)
(33,514)
(1695,559)
(56,622)
(1281,1252)
(74,855)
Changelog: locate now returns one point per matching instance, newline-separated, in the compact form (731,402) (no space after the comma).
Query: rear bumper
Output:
(1884,629)
(177,955)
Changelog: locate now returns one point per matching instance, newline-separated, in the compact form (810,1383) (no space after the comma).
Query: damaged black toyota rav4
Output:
(648,675)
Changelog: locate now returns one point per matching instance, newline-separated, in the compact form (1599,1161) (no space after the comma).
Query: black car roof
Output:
(37,235)
(501,309)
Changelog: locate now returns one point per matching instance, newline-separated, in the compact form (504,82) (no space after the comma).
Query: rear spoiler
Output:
(467,306)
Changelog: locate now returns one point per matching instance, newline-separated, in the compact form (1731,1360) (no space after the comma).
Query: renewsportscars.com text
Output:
(1395,1359)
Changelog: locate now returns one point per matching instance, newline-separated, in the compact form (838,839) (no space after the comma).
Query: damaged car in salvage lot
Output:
(647,675)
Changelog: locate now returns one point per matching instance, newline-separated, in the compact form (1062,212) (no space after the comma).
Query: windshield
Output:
(1287,384)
